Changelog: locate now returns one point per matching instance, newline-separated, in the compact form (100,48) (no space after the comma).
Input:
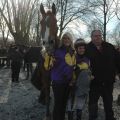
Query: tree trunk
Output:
(21,40)
(105,14)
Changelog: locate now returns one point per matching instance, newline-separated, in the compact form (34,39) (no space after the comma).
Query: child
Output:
(82,81)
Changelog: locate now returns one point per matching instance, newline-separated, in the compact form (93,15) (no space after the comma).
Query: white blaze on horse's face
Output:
(48,41)
(48,28)
(45,38)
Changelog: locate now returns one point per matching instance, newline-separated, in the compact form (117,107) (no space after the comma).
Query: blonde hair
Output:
(70,37)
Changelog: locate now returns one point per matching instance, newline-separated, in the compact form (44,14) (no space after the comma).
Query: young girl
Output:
(82,81)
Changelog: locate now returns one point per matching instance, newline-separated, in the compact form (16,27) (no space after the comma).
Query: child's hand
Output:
(72,83)
(92,77)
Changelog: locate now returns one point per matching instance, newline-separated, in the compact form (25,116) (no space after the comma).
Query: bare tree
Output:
(4,31)
(68,11)
(117,12)
(116,32)
(3,28)
(94,25)
(115,36)
(35,31)
(18,16)
(35,28)
(103,11)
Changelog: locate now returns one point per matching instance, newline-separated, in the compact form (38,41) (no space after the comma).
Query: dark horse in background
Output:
(30,55)
(41,77)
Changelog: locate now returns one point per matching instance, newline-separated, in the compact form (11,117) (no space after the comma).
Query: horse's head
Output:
(49,28)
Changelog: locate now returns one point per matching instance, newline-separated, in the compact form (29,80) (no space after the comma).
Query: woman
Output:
(61,75)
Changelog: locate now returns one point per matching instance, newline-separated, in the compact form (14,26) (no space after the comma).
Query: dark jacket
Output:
(16,56)
(104,63)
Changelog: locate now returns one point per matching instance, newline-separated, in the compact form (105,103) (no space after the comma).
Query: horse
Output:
(49,42)
(49,28)
(31,55)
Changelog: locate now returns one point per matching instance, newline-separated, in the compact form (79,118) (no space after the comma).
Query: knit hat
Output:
(79,42)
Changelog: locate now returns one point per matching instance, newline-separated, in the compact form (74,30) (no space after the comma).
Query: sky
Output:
(84,30)
(81,29)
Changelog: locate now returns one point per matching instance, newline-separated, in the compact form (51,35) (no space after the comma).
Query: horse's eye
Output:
(43,42)
(51,42)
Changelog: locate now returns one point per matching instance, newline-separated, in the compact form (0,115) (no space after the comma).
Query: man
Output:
(104,62)
(16,62)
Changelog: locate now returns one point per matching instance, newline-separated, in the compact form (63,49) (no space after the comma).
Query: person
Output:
(104,63)
(61,75)
(77,100)
(28,62)
(16,62)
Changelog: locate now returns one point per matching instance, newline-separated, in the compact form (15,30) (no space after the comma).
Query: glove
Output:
(48,61)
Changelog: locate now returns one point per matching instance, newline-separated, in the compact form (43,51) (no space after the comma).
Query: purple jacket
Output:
(61,72)
(80,58)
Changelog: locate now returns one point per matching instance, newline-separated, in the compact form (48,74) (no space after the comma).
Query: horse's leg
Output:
(42,98)
(31,68)
(47,101)
(0,62)
(48,115)
(27,65)
(24,65)
(46,90)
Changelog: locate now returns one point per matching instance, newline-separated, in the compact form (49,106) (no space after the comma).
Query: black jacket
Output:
(16,56)
(104,63)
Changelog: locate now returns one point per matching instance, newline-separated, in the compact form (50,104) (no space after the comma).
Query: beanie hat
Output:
(79,42)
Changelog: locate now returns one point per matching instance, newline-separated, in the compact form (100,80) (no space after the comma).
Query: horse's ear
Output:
(53,9)
(42,9)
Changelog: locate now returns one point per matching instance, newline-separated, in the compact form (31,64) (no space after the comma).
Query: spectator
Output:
(16,62)
(104,63)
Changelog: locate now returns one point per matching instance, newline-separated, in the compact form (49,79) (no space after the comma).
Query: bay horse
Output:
(49,42)
(49,29)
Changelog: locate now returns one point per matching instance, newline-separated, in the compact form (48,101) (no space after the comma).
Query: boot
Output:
(93,112)
(41,98)
(79,114)
(70,115)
